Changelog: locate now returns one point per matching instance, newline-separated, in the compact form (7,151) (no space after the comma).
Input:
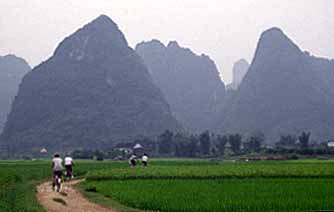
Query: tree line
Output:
(210,145)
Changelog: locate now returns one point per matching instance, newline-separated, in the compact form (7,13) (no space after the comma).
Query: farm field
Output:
(221,195)
(220,171)
(18,180)
(254,186)
(183,185)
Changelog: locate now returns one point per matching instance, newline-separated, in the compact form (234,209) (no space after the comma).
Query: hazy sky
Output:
(226,30)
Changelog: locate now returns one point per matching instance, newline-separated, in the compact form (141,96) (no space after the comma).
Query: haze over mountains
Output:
(240,69)
(285,91)
(190,82)
(12,70)
(94,91)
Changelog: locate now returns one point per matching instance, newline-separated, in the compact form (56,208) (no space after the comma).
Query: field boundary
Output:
(107,202)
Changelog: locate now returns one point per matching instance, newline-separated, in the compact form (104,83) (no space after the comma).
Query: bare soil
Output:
(68,200)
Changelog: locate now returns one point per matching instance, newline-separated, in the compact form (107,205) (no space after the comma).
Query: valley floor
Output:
(171,185)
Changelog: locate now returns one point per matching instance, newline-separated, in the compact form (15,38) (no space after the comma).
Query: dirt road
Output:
(69,200)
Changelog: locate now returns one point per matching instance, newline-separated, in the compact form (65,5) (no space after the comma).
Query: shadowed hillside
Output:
(12,70)
(190,83)
(92,92)
(285,91)
(240,69)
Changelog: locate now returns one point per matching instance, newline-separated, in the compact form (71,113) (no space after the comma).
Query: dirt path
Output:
(69,200)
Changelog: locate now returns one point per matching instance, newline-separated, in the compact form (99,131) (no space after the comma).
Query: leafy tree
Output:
(204,142)
(185,149)
(221,142)
(113,154)
(235,142)
(82,154)
(287,141)
(193,146)
(304,139)
(254,142)
(179,150)
(180,143)
(165,141)
(99,155)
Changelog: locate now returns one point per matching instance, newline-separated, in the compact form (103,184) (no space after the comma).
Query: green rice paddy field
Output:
(18,180)
(184,185)
(222,195)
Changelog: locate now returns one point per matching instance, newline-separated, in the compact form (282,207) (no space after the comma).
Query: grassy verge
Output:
(18,181)
(106,201)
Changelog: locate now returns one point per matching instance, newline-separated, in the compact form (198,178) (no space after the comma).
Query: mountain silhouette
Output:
(93,92)
(285,91)
(240,69)
(190,82)
(12,70)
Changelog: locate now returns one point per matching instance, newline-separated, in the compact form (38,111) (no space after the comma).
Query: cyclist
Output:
(57,171)
(69,166)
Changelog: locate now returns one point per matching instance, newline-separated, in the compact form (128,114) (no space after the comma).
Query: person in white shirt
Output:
(69,166)
(144,159)
(133,160)
(57,168)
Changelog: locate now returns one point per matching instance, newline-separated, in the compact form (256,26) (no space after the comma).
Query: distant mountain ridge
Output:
(285,91)
(190,82)
(94,91)
(240,69)
(12,70)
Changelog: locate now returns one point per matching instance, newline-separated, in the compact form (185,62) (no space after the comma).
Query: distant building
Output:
(124,147)
(330,143)
(138,146)
(43,151)
(129,148)
(138,149)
